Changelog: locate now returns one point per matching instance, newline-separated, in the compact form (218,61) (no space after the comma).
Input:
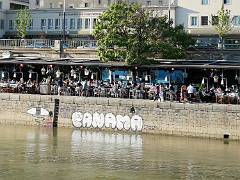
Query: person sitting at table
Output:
(29,83)
(60,85)
(218,90)
(183,93)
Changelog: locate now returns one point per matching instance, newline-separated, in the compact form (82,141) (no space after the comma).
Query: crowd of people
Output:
(123,89)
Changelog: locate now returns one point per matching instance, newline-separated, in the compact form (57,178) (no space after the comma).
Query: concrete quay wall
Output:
(128,115)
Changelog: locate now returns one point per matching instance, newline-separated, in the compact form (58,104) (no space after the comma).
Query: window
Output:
(227,1)
(37,2)
(109,2)
(94,22)
(50,23)
(60,5)
(236,20)
(85,4)
(99,2)
(51,5)
(160,2)
(79,23)
(1,24)
(194,21)
(31,25)
(87,23)
(148,3)
(43,23)
(71,6)
(205,2)
(0,4)
(72,23)
(57,23)
(11,24)
(204,20)
(214,20)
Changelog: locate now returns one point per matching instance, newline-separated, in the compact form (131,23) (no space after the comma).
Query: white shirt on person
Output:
(190,89)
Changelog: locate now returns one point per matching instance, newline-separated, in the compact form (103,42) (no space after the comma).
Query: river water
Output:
(41,153)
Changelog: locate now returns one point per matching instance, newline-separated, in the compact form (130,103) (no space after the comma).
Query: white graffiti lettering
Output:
(123,122)
(98,120)
(110,121)
(77,118)
(136,123)
(87,120)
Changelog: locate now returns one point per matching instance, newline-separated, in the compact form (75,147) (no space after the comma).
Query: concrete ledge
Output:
(4,96)
(14,97)
(66,99)
(219,107)
(164,105)
(177,105)
(101,101)
(205,107)
(233,108)
(45,98)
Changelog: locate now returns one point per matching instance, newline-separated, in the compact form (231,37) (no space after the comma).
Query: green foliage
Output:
(23,21)
(224,23)
(126,32)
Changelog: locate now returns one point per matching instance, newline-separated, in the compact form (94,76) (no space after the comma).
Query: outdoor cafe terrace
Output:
(25,75)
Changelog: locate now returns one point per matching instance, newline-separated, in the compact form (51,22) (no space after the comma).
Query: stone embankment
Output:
(128,115)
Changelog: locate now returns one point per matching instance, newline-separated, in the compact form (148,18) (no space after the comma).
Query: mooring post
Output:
(56,111)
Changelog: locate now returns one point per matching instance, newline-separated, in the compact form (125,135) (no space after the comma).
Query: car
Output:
(38,45)
(88,45)
(204,46)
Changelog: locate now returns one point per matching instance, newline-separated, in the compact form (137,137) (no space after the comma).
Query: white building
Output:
(97,3)
(8,5)
(197,17)
(79,21)
(81,15)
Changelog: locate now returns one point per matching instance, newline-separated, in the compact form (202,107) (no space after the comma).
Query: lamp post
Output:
(169,12)
(64,19)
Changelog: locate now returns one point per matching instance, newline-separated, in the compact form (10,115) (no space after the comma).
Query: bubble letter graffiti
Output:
(77,118)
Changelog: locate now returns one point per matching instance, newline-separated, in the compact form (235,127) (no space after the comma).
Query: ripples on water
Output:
(41,153)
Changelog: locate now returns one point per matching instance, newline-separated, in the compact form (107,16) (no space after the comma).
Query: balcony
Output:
(20,1)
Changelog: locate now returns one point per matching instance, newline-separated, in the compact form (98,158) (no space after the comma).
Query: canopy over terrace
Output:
(192,70)
(161,63)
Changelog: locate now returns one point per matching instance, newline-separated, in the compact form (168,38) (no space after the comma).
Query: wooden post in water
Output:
(56,112)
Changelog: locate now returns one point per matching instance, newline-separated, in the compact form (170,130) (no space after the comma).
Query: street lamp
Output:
(64,19)
(169,12)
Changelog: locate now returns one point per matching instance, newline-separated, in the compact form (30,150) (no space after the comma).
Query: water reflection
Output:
(38,153)
(110,148)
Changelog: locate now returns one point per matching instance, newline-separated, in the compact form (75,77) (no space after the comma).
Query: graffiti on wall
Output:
(41,115)
(99,120)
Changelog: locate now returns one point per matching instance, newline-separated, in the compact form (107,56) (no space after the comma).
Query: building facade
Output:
(197,17)
(98,3)
(81,15)
(47,21)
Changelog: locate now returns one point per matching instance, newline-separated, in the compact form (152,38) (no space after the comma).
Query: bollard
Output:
(56,112)
(226,138)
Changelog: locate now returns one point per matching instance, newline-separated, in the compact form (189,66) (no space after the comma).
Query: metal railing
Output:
(45,43)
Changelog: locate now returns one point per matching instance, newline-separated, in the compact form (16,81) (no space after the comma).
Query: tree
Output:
(23,21)
(115,34)
(223,24)
(126,32)
(171,42)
